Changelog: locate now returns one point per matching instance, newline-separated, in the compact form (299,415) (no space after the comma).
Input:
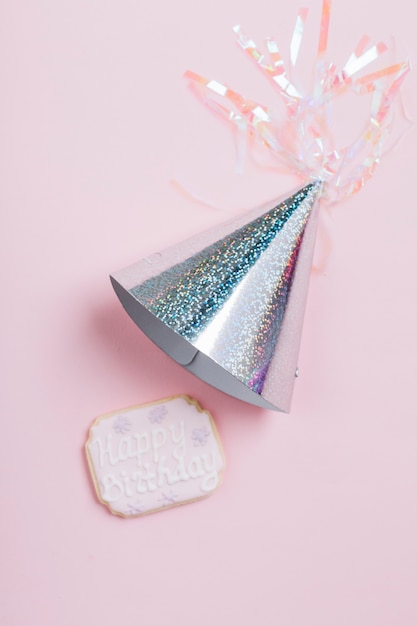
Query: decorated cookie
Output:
(154,456)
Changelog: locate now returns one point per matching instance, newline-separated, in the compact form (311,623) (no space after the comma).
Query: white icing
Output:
(140,487)
(146,480)
(148,477)
(159,438)
(157,462)
(164,472)
(195,467)
(125,448)
(180,438)
(182,472)
(126,480)
(211,479)
(109,481)
(141,449)
(105,450)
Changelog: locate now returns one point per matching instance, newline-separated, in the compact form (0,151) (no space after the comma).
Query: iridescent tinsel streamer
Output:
(304,139)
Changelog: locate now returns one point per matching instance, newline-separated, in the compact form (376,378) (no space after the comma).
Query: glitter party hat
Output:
(228,304)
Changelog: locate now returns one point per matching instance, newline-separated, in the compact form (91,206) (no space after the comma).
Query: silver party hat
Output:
(229,303)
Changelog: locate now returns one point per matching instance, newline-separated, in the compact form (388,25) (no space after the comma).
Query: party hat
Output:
(228,304)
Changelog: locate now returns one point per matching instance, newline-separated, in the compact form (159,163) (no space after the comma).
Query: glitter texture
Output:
(229,300)
(228,304)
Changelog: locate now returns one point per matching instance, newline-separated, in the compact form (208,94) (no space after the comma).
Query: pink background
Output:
(315,523)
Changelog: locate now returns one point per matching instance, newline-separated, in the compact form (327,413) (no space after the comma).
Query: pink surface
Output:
(315,522)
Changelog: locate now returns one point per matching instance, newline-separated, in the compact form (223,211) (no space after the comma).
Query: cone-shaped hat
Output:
(229,303)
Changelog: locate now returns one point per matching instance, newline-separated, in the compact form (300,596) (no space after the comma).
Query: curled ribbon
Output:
(304,139)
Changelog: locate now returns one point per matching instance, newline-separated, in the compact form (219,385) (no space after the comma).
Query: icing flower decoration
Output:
(304,139)
(157,414)
(122,424)
(168,497)
(135,509)
(200,435)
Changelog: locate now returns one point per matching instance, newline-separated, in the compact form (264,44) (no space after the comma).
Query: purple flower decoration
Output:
(168,497)
(200,435)
(122,424)
(135,509)
(157,414)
